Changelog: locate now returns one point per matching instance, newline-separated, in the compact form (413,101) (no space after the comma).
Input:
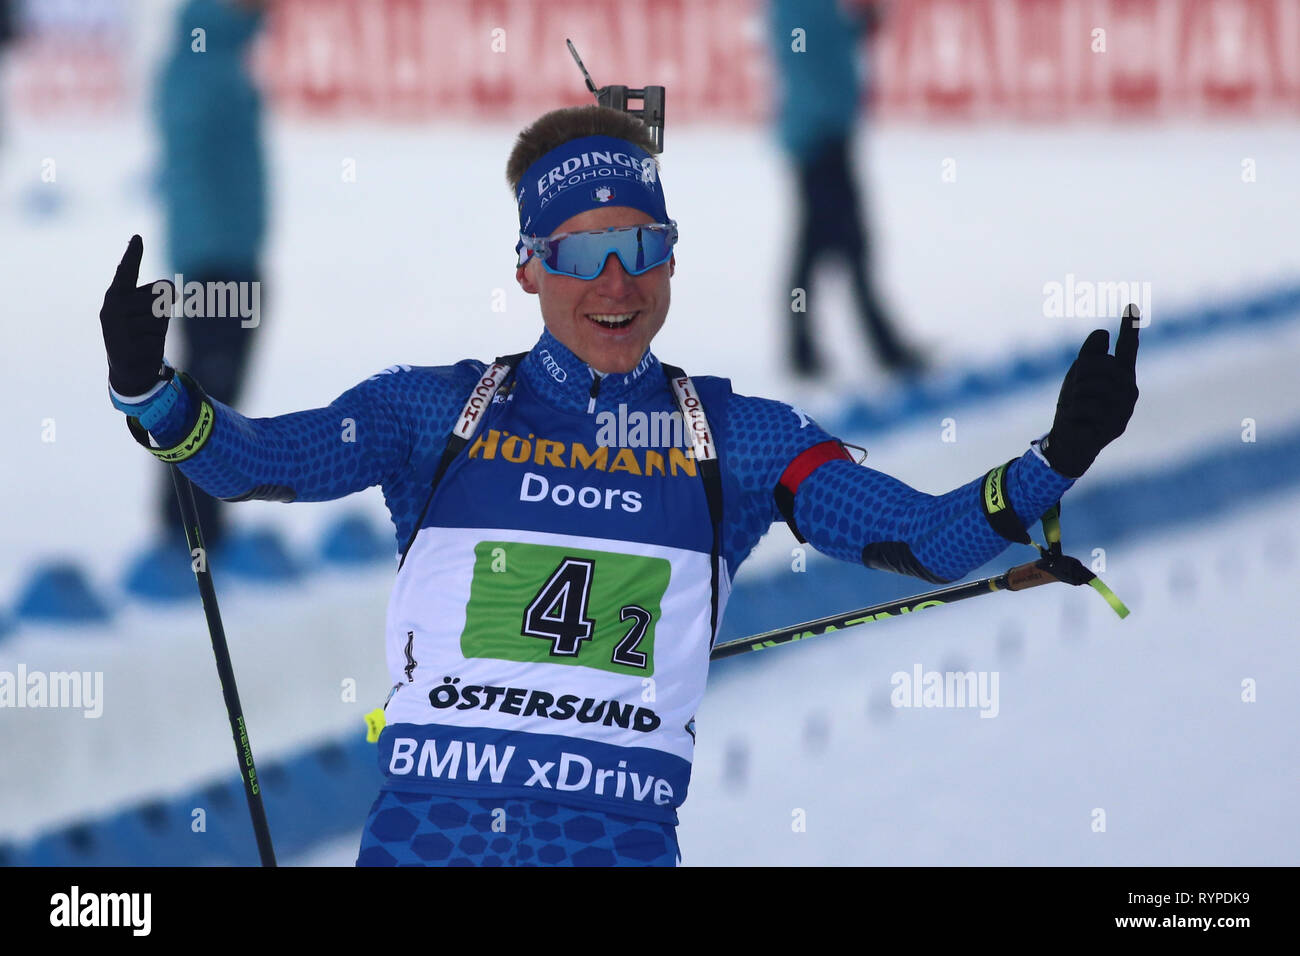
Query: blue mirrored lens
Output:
(583,254)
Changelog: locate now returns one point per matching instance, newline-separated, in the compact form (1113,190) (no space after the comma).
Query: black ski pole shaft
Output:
(238,727)
(1015,579)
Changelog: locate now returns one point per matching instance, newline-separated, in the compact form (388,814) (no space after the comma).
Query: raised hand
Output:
(1097,399)
(134,322)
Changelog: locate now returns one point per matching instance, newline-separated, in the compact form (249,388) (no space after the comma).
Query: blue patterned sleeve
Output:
(365,437)
(865,516)
(760,437)
(860,514)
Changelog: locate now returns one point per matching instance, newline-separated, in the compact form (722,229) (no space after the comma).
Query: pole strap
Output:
(1068,569)
(198,435)
(1002,518)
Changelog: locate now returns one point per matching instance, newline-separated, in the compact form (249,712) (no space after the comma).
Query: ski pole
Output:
(238,728)
(1053,566)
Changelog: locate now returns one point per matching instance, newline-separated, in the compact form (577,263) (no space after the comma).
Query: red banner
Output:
(957,59)
(1027,59)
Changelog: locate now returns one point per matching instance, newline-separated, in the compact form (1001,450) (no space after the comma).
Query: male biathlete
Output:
(561,581)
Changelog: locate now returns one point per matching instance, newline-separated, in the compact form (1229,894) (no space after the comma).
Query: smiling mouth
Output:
(613,320)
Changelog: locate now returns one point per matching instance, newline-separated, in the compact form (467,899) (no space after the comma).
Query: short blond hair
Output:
(558,127)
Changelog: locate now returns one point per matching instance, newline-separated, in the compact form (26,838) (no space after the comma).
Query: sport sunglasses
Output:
(582,255)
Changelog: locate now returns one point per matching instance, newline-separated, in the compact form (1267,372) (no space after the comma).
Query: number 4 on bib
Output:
(559,612)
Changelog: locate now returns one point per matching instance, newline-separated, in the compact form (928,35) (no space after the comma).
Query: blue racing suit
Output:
(559,592)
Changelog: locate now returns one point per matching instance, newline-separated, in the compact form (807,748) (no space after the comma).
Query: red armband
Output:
(804,464)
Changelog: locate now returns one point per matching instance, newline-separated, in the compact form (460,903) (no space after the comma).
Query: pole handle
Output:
(1029,575)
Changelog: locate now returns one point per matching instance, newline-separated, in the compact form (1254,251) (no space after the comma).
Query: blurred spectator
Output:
(214,190)
(7,26)
(213,181)
(8,32)
(819,77)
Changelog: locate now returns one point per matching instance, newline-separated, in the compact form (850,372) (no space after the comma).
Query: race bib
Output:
(541,603)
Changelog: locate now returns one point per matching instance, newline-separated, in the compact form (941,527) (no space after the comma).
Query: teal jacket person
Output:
(209,113)
(818,72)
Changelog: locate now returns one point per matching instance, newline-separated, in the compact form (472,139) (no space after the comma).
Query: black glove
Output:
(1097,399)
(133,333)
